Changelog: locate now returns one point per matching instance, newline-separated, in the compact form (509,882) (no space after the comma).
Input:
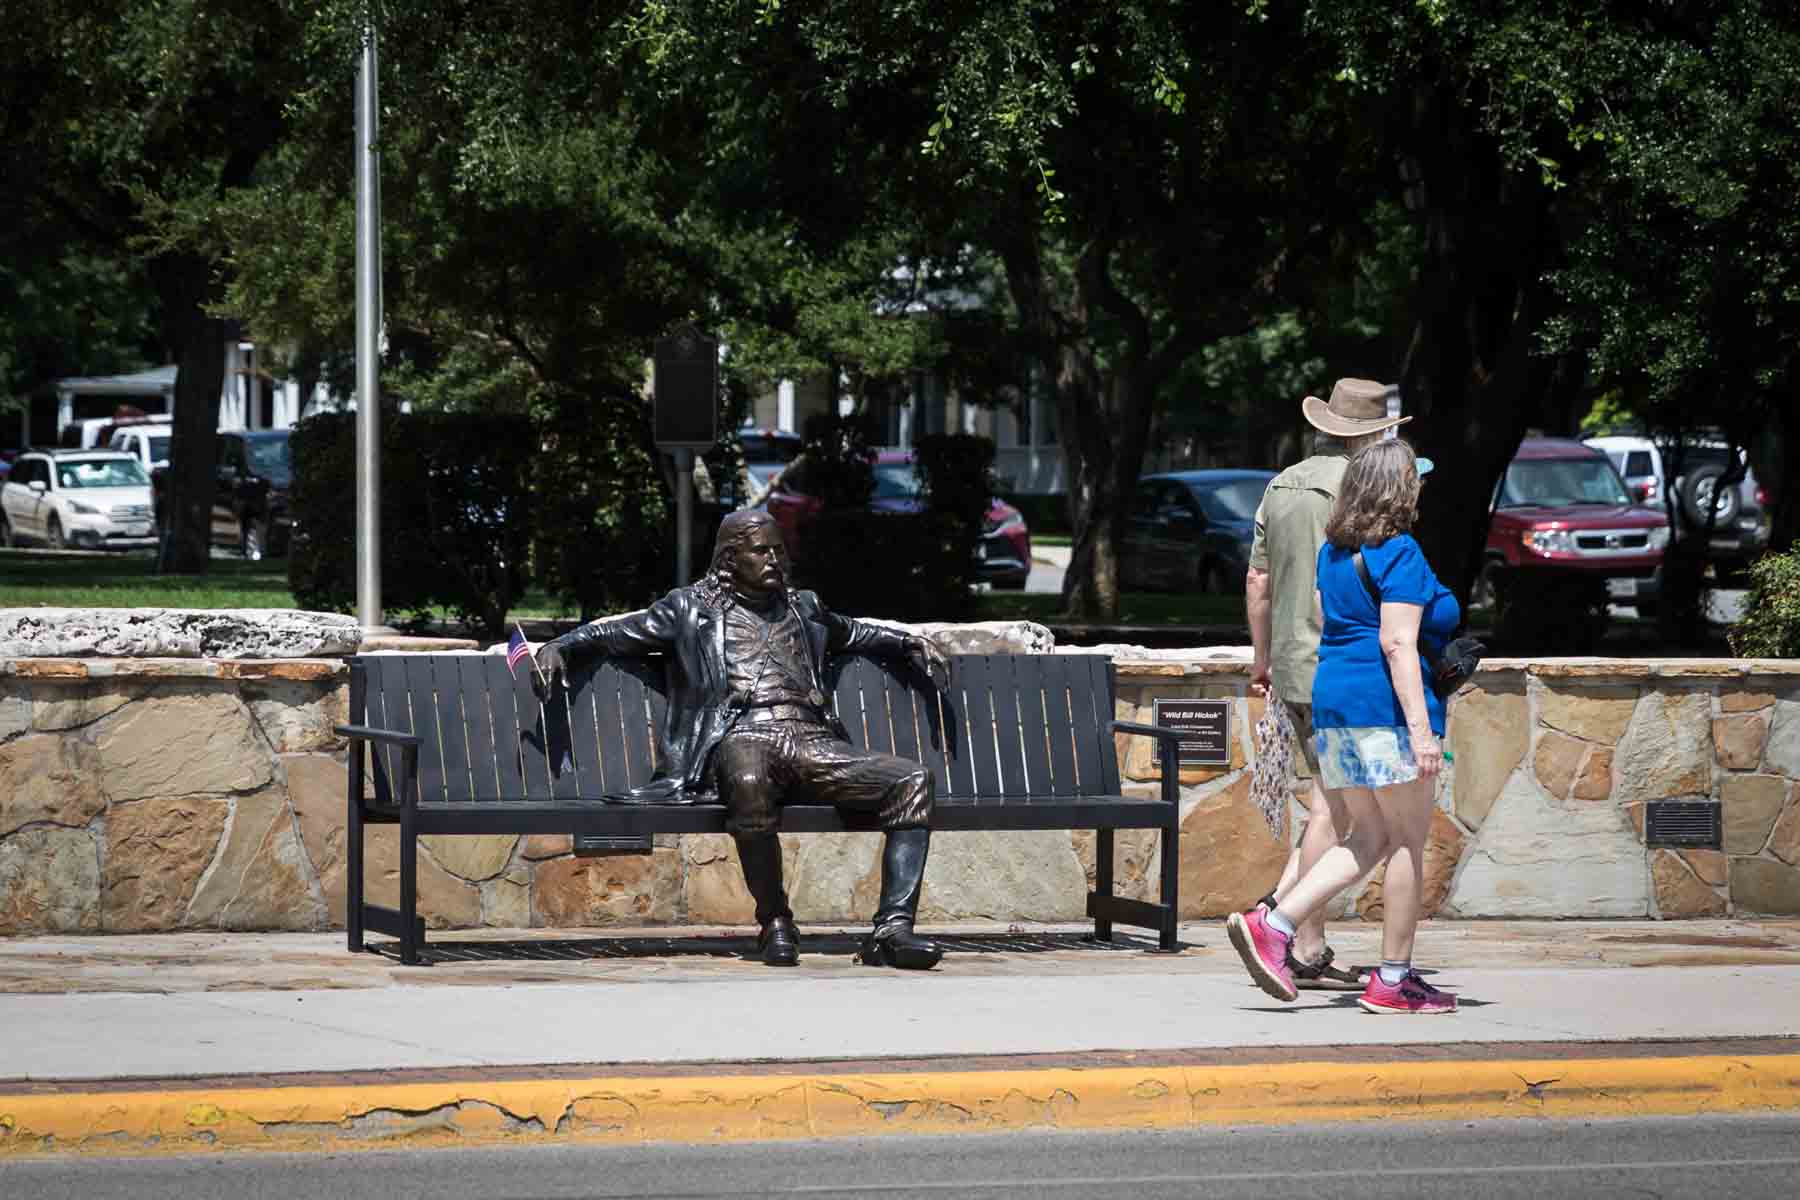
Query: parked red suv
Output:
(1565,530)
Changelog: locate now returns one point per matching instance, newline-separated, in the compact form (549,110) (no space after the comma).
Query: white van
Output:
(148,443)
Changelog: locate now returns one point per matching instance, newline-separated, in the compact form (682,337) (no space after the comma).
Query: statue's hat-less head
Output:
(1357,407)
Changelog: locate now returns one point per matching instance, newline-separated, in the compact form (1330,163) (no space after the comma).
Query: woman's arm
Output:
(1400,645)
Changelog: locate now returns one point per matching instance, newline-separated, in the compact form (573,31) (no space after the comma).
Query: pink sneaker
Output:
(1264,950)
(1410,995)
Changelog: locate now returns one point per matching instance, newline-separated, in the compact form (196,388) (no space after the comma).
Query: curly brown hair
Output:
(1378,498)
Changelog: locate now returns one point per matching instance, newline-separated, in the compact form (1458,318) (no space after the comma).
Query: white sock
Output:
(1393,972)
(1279,923)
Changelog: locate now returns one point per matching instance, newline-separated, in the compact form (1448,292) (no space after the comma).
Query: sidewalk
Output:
(202,1040)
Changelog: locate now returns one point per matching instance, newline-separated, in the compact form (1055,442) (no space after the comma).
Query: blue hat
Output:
(1425,465)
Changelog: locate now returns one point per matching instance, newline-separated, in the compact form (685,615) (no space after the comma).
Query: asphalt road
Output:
(1746,1158)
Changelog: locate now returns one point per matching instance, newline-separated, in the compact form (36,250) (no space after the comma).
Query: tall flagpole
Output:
(368,339)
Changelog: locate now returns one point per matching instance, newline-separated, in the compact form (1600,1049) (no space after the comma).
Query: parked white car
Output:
(148,443)
(86,499)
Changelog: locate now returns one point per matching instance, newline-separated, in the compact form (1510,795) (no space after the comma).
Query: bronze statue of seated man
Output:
(748,719)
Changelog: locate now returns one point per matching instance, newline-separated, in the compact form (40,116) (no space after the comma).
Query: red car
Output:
(1563,517)
(1003,555)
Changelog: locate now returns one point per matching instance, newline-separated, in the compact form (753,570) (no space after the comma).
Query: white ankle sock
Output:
(1393,972)
(1279,923)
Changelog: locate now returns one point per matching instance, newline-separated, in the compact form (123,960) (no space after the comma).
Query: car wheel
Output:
(1487,592)
(55,533)
(1700,490)
(255,541)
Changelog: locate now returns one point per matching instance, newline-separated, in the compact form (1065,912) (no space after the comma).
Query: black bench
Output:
(453,744)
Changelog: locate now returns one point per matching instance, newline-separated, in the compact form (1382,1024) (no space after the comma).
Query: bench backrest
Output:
(1009,726)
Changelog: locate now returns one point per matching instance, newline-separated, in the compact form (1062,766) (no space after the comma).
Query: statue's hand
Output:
(550,661)
(924,654)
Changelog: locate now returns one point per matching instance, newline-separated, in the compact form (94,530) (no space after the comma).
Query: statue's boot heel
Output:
(779,941)
(893,942)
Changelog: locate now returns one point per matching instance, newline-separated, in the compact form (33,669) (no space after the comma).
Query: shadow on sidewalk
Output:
(744,946)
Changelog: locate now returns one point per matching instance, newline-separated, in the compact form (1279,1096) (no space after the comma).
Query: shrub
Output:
(455,515)
(1770,626)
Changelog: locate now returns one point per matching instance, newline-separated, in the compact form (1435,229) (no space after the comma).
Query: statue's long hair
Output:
(714,586)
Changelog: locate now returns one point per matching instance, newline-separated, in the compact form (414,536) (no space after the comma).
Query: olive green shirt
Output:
(1290,528)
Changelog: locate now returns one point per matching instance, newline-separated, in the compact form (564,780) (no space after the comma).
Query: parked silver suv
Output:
(1740,516)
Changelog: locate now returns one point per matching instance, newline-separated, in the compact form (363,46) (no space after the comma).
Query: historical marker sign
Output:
(1207,724)
(686,391)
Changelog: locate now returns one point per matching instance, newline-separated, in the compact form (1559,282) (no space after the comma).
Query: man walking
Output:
(1284,630)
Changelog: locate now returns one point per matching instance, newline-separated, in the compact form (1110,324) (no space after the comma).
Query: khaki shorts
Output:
(1301,717)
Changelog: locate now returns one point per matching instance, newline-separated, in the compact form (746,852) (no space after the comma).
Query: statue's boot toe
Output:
(779,942)
(902,948)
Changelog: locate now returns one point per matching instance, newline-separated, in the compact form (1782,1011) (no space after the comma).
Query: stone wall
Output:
(158,794)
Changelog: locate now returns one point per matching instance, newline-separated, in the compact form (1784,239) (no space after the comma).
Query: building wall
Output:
(165,794)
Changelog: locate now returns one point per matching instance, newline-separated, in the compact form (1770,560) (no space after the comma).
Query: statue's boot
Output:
(779,941)
(893,943)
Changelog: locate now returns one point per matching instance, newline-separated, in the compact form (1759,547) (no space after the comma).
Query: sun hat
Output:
(1356,407)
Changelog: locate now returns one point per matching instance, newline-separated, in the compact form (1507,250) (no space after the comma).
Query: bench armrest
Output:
(1156,731)
(392,737)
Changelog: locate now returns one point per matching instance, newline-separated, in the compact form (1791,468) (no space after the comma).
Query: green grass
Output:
(1135,608)
(29,580)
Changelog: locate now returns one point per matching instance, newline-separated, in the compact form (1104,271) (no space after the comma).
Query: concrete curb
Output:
(812,1105)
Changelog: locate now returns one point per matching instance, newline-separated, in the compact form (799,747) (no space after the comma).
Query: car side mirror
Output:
(38,485)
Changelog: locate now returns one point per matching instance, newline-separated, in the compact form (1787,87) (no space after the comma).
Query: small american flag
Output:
(517,651)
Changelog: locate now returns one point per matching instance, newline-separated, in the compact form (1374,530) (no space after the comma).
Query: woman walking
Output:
(1376,727)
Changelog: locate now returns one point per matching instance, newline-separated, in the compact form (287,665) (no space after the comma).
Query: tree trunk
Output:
(192,474)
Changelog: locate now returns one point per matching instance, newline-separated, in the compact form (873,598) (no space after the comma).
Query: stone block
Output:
(547,845)
(1594,781)
(1679,892)
(195,739)
(1764,887)
(1030,875)
(1489,737)
(1537,858)
(608,889)
(1444,845)
(1751,802)
(506,901)
(1711,866)
(317,785)
(156,853)
(261,877)
(48,777)
(1137,861)
(58,706)
(445,902)
(1557,761)
(1784,839)
(713,881)
(1782,753)
(1229,858)
(472,857)
(1667,750)
(176,633)
(49,881)
(1593,712)
(1738,740)
(835,878)
(296,716)
(15,714)
(1733,701)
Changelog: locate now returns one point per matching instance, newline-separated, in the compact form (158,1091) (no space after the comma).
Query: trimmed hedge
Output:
(1770,626)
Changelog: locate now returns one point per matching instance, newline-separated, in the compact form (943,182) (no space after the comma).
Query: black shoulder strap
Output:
(1362,569)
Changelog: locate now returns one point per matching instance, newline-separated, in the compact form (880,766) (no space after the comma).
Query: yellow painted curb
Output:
(799,1105)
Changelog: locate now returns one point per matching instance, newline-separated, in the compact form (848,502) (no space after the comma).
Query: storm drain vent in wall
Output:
(1692,824)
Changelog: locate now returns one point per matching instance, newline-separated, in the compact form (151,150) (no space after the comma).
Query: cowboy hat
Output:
(1357,407)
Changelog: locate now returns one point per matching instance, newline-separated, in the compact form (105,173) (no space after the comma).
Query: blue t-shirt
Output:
(1352,688)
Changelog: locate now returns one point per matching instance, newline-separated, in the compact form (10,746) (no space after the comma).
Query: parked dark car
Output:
(1191,531)
(1003,556)
(250,504)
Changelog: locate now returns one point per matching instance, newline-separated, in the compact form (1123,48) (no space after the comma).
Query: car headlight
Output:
(1659,538)
(1548,541)
(86,510)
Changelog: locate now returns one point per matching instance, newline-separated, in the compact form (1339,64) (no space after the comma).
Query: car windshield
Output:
(100,473)
(1554,482)
(269,458)
(1233,500)
(896,481)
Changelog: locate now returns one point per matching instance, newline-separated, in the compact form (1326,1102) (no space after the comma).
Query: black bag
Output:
(1451,666)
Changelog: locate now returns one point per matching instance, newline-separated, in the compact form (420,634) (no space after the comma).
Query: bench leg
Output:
(1171,872)
(409,885)
(353,853)
(1103,883)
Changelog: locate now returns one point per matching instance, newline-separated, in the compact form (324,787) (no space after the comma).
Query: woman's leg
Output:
(1406,809)
(1354,856)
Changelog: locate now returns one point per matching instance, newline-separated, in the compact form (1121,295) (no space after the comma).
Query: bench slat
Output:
(976,686)
(388,710)
(421,699)
(453,728)
(1094,741)
(635,718)
(1060,686)
(847,699)
(599,703)
(484,760)
(903,713)
(1008,683)
(508,766)
(1040,771)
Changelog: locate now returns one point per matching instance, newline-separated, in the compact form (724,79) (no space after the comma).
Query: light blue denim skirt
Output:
(1367,756)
